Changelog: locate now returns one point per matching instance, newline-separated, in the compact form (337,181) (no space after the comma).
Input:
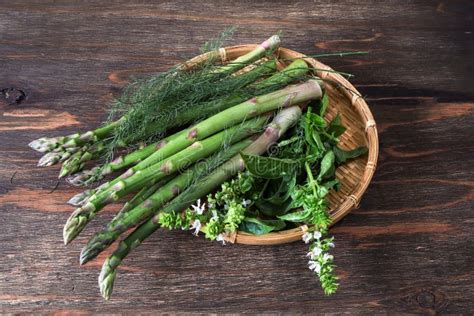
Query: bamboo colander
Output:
(355,175)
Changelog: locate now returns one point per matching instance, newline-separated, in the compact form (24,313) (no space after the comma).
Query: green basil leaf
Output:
(324,104)
(316,120)
(269,167)
(298,216)
(308,134)
(331,174)
(247,184)
(336,130)
(336,120)
(271,209)
(327,165)
(259,226)
(289,141)
(332,184)
(335,127)
(322,191)
(343,155)
(279,191)
(318,141)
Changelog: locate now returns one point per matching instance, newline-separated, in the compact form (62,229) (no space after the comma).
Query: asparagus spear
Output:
(257,53)
(294,71)
(56,155)
(139,197)
(78,159)
(133,217)
(289,95)
(120,163)
(142,195)
(46,144)
(285,119)
(198,150)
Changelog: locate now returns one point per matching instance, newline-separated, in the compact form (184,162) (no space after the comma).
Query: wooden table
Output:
(407,249)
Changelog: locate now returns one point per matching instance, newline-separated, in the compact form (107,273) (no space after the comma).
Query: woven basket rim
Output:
(331,80)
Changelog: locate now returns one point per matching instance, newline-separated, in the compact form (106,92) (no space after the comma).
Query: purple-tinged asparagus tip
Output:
(271,43)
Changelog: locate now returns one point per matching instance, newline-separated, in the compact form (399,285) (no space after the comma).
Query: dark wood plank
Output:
(407,249)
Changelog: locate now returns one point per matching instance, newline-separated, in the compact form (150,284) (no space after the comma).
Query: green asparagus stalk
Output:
(81,198)
(56,155)
(233,115)
(46,144)
(198,150)
(296,70)
(257,53)
(82,178)
(285,119)
(133,217)
(139,197)
(117,164)
(78,159)
(142,195)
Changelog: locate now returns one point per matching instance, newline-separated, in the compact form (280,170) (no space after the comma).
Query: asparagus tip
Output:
(82,178)
(64,172)
(87,254)
(80,198)
(66,236)
(42,144)
(48,159)
(106,279)
(73,226)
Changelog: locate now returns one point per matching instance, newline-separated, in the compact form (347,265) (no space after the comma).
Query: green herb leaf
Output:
(343,155)
(335,127)
(327,165)
(332,184)
(298,216)
(324,104)
(259,226)
(336,120)
(315,120)
(318,141)
(268,167)
(271,209)
(279,191)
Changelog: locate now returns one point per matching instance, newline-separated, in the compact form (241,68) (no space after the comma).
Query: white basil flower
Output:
(331,244)
(317,268)
(314,266)
(199,209)
(221,238)
(327,257)
(246,203)
(307,237)
(317,235)
(316,252)
(214,215)
(196,226)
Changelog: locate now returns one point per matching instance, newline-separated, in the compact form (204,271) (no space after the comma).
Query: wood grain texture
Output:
(407,249)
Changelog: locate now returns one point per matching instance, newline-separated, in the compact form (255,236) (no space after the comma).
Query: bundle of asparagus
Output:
(202,132)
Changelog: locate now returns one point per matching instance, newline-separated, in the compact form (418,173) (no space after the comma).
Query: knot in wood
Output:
(13,96)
